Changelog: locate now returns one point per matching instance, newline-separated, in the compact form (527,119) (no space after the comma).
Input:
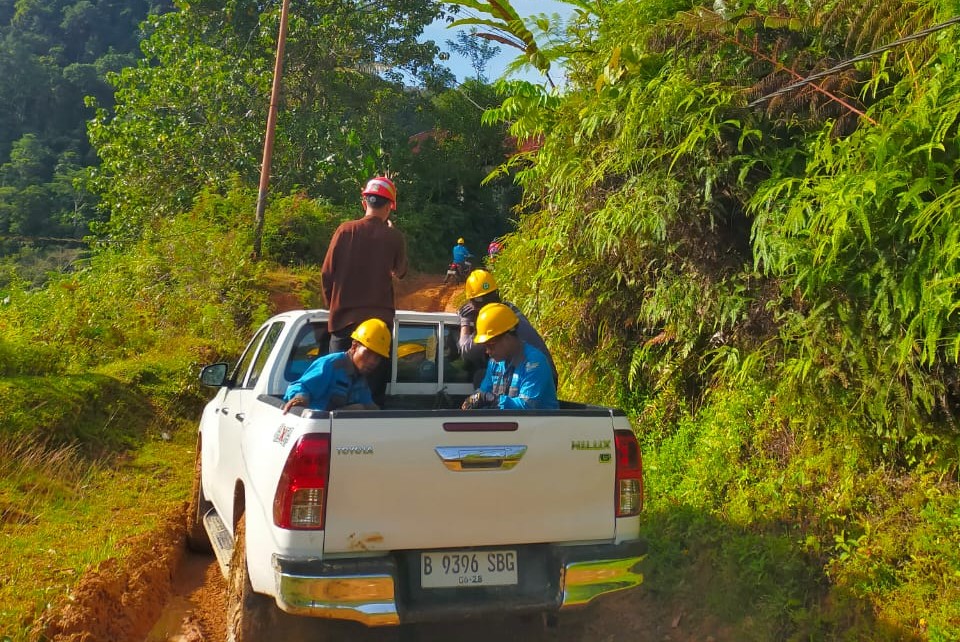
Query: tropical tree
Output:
(443,169)
(479,51)
(52,55)
(716,209)
(192,113)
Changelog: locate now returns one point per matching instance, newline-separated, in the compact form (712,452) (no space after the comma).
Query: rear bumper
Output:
(362,589)
(385,591)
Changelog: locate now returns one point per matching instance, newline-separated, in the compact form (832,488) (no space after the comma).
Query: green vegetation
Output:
(190,117)
(63,514)
(765,276)
(769,283)
(53,54)
(176,107)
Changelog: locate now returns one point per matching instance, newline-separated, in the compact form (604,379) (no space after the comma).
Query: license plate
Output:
(458,569)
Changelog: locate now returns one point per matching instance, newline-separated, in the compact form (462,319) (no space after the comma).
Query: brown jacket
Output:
(358,270)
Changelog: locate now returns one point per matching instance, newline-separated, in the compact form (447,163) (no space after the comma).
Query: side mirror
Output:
(214,375)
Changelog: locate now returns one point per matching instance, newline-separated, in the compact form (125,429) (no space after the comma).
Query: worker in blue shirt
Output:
(518,375)
(338,380)
(460,252)
(481,289)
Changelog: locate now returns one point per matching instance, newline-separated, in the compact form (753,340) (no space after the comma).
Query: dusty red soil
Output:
(417,291)
(427,293)
(162,593)
(121,600)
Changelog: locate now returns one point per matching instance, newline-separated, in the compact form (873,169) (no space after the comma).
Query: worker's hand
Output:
(467,311)
(465,344)
(479,399)
(295,400)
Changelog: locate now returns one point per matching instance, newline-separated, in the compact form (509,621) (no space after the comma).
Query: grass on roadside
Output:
(777,530)
(67,514)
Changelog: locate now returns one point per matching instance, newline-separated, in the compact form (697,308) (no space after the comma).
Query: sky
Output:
(460,66)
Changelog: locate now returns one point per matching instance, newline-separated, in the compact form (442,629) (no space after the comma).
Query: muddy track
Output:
(163,593)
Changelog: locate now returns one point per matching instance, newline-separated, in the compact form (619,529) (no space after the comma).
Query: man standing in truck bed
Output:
(358,270)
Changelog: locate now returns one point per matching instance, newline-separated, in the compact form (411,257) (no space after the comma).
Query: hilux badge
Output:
(596,444)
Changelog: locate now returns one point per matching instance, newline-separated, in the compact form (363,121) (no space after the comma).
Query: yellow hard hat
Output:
(406,349)
(373,334)
(460,241)
(479,282)
(494,319)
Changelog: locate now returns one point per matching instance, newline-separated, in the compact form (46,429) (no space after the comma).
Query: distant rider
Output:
(493,250)
(460,252)
(517,377)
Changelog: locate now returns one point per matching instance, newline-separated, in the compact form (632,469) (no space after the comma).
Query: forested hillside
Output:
(54,56)
(191,116)
(736,219)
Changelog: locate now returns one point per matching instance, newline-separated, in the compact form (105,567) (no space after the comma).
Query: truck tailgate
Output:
(399,481)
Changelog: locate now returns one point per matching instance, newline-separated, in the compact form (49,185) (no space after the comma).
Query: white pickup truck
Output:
(417,512)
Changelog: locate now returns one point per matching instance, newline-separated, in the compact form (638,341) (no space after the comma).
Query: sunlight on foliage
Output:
(771,291)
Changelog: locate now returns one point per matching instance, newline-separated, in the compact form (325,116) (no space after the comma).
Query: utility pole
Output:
(268,139)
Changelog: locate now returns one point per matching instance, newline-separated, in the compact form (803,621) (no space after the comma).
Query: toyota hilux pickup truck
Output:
(416,512)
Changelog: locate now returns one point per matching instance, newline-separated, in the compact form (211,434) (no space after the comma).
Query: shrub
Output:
(297,230)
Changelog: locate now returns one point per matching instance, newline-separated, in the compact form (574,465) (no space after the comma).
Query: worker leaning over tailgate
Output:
(338,381)
(518,375)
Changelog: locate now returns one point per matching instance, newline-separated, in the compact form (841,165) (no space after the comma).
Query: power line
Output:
(852,61)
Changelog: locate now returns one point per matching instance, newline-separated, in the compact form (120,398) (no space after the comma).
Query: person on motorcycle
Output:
(481,289)
(492,250)
(460,252)
(516,377)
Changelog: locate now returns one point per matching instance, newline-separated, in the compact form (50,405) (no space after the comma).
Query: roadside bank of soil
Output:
(121,599)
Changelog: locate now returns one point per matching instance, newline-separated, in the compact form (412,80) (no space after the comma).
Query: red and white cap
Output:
(383,187)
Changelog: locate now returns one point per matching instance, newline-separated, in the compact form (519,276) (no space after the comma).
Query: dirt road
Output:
(162,593)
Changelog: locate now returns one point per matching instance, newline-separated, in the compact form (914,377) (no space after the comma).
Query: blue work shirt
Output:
(331,382)
(524,383)
(475,352)
(460,253)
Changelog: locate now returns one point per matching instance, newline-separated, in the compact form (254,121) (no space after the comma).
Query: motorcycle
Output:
(458,272)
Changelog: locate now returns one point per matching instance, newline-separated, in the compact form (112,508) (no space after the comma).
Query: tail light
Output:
(300,501)
(629,488)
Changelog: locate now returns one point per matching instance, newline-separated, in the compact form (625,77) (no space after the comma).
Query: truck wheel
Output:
(197,539)
(249,615)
